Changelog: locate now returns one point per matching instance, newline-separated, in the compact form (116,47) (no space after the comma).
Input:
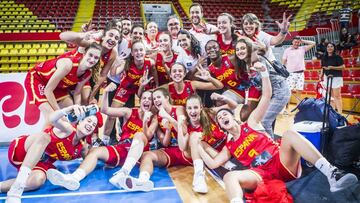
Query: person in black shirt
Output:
(333,64)
(321,48)
(346,40)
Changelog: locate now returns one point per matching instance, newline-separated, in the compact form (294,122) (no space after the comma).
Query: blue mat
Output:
(95,187)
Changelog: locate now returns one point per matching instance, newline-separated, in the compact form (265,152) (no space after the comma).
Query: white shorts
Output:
(336,83)
(296,81)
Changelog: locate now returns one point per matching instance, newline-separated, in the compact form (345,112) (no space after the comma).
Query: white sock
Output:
(79,174)
(23,175)
(144,176)
(106,139)
(236,200)
(324,166)
(129,164)
(198,166)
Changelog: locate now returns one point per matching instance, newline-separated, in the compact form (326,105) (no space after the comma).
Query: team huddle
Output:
(189,84)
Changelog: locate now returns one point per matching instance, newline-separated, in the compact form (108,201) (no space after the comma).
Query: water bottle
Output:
(89,111)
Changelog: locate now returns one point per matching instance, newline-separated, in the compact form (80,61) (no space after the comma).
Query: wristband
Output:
(284,32)
(63,112)
(264,74)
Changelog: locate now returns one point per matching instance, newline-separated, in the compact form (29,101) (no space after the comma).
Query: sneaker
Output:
(117,178)
(199,183)
(14,194)
(134,184)
(64,180)
(340,180)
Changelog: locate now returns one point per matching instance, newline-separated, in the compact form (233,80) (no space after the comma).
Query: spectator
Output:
(173,25)
(126,28)
(333,64)
(294,60)
(321,48)
(345,16)
(346,40)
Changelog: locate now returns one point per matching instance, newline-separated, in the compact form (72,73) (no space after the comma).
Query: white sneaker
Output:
(199,183)
(63,180)
(14,194)
(340,180)
(117,178)
(134,184)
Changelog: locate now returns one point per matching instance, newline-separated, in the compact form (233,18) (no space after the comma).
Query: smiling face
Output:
(152,29)
(224,24)
(241,50)
(87,125)
(296,43)
(250,28)
(330,48)
(196,15)
(177,73)
(146,101)
(193,110)
(184,41)
(91,58)
(126,27)
(164,42)
(137,34)
(111,39)
(138,51)
(159,99)
(173,26)
(213,50)
(225,119)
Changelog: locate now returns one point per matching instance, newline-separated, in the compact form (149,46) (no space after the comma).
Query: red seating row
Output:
(348,62)
(350,91)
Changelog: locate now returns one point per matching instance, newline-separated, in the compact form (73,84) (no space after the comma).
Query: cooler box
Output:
(311,131)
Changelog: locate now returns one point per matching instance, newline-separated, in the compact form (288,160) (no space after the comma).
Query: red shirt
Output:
(62,148)
(180,98)
(133,125)
(252,146)
(217,137)
(47,68)
(228,49)
(161,71)
(173,115)
(131,78)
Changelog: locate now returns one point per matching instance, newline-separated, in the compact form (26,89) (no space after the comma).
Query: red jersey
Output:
(62,148)
(133,125)
(131,78)
(252,148)
(46,69)
(161,71)
(180,98)
(173,115)
(217,137)
(228,49)
(104,59)
(226,74)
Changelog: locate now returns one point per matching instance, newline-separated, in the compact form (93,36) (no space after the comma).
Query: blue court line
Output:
(88,193)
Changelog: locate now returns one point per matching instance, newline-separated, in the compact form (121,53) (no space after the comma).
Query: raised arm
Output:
(149,129)
(309,44)
(56,118)
(183,135)
(212,84)
(110,111)
(257,115)
(78,88)
(284,28)
(222,157)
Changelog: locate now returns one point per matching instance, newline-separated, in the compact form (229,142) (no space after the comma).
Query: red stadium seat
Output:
(348,63)
(309,65)
(310,88)
(355,52)
(317,64)
(345,53)
(307,75)
(347,75)
(355,75)
(345,91)
(315,75)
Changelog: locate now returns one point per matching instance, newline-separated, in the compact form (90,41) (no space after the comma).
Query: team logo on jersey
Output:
(246,130)
(226,63)
(121,92)
(188,90)
(41,89)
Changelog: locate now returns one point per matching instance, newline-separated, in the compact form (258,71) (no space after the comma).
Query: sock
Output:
(144,176)
(129,164)
(198,166)
(79,174)
(23,175)
(324,166)
(0,187)
(236,200)
(106,139)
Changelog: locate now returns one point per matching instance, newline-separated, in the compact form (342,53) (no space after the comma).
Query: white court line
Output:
(87,193)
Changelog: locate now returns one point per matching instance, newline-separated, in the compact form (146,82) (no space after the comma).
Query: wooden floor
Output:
(183,176)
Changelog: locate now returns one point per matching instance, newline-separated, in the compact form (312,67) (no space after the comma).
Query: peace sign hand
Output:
(285,24)
(145,80)
(203,73)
